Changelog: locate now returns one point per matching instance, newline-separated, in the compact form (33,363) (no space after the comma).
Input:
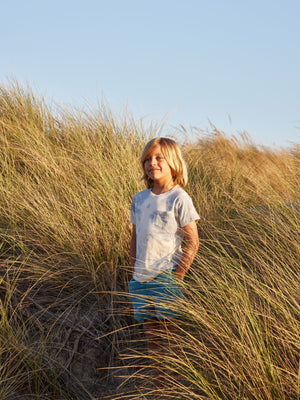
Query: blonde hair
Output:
(172,153)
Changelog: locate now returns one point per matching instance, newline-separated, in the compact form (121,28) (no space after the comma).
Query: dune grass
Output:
(67,179)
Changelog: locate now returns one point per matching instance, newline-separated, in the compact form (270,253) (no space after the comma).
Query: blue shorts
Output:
(156,298)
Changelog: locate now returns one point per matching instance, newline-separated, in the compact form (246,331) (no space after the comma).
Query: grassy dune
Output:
(67,179)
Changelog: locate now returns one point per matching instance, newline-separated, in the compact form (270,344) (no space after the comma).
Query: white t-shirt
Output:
(158,220)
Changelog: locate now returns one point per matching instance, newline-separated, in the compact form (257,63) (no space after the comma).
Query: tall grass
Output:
(239,335)
(64,206)
(67,179)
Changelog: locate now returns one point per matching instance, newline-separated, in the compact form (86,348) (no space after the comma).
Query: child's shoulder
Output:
(180,193)
(142,194)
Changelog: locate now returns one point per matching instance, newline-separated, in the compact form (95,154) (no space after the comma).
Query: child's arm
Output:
(132,251)
(192,244)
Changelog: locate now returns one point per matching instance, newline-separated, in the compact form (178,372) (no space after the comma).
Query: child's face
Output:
(157,168)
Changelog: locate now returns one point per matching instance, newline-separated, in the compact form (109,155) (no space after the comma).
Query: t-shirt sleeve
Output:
(186,211)
(132,212)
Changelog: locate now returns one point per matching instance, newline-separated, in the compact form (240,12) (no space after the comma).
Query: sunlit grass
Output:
(67,179)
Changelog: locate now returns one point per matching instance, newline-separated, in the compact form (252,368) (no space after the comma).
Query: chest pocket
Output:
(165,220)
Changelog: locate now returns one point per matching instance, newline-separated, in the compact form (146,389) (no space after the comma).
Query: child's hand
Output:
(179,275)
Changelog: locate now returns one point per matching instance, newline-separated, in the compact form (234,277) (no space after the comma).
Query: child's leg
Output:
(160,342)
(153,333)
(153,336)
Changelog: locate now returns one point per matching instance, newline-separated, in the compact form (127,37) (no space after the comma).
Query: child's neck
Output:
(159,188)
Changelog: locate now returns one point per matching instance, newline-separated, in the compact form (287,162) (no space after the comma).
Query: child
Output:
(162,216)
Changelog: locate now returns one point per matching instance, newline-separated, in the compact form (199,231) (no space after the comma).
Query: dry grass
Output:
(67,179)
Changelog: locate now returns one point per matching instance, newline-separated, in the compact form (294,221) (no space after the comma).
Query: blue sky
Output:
(232,62)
